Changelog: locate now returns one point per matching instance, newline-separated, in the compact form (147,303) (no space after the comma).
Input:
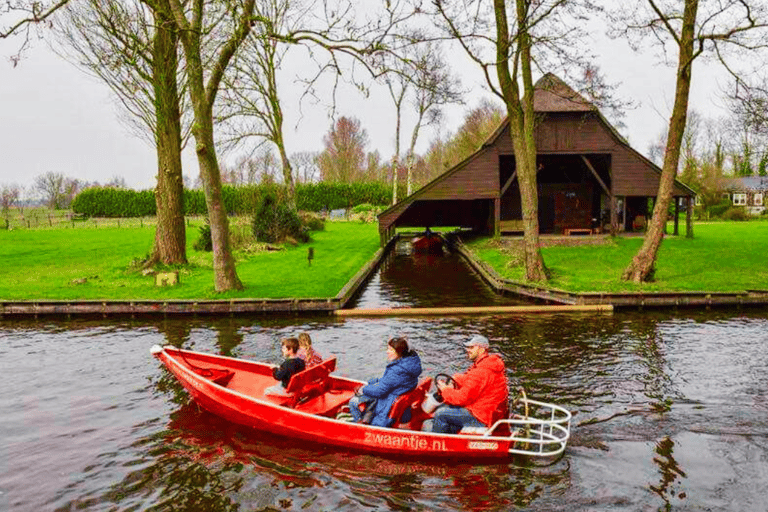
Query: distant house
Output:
(751,192)
(589,178)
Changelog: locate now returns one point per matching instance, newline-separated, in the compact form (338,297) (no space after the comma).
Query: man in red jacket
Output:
(481,396)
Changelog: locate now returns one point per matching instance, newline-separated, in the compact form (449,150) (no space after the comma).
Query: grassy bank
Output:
(52,264)
(723,256)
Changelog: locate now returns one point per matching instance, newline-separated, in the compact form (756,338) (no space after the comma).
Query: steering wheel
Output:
(447,379)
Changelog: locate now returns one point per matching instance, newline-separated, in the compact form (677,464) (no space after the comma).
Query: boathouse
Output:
(589,178)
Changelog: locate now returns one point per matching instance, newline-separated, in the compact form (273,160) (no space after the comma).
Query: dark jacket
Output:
(400,376)
(482,388)
(287,369)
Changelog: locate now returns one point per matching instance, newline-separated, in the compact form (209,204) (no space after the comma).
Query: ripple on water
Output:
(661,399)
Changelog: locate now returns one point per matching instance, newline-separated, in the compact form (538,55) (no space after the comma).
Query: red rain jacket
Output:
(482,388)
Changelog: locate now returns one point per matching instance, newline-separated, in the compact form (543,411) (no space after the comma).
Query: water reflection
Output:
(424,280)
(200,461)
(670,472)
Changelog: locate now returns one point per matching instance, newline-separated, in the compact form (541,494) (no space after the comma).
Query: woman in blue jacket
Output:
(400,376)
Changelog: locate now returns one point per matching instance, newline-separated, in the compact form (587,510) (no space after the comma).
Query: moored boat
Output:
(429,242)
(234,390)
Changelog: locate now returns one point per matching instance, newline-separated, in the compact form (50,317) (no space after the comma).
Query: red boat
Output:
(234,390)
(431,243)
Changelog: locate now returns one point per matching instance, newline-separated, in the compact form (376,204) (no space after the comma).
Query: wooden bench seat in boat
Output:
(310,390)
(411,400)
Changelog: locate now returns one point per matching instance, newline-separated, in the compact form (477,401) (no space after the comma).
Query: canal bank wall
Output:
(634,300)
(544,300)
(327,305)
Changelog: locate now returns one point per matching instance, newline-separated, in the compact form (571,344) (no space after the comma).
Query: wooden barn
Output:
(589,179)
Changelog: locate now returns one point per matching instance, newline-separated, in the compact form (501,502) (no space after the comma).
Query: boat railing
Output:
(543,434)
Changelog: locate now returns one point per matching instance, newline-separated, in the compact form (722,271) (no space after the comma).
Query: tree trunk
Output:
(288,177)
(522,124)
(280,143)
(224,273)
(170,234)
(202,98)
(394,180)
(643,263)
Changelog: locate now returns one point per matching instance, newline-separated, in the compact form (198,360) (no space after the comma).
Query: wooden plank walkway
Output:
(475,310)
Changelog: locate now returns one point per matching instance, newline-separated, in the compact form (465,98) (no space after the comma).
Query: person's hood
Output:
(409,365)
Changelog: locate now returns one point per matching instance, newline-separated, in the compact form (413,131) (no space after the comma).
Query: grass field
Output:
(723,256)
(50,263)
(40,264)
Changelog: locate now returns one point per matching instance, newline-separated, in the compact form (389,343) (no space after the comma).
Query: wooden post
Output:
(677,214)
(689,218)
(614,217)
(497,217)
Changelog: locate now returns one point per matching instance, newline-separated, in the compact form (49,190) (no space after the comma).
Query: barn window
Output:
(758,199)
(739,199)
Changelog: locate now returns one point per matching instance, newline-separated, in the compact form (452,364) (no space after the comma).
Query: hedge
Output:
(114,202)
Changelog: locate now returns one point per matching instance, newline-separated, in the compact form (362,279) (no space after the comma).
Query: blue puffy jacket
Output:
(400,376)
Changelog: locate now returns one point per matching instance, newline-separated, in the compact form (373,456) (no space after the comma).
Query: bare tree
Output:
(344,36)
(519,35)
(203,82)
(9,197)
(21,19)
(56,189)
(251,98)
(134,50)
(305,167)
(717,29)
(421,77)
(343,159)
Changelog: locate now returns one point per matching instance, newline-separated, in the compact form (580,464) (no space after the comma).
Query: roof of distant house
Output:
(748,183)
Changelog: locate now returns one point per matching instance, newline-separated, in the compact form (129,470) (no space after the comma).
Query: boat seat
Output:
(220,376)
(309,383)
(327,403)
(410,400)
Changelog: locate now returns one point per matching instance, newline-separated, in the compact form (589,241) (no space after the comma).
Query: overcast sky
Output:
(54,117)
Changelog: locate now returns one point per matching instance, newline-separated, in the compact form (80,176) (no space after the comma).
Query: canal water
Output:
(670,412)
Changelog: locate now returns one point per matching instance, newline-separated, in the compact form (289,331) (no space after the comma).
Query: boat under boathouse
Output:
(590,180)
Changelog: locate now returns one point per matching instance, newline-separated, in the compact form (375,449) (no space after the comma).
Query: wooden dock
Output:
(475,310)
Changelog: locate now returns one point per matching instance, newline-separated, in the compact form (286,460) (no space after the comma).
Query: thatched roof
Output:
(553,95)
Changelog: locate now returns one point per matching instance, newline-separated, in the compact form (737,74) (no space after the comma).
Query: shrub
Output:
(363,208)
(736,214)
(719,209)
(241,234)
(204,241)
(274,221)
(312,221)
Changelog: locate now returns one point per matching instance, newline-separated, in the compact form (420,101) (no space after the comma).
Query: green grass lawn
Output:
(44,265)
(723,256)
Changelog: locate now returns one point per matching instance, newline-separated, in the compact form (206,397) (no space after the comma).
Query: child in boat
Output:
(291,365)
(306,352)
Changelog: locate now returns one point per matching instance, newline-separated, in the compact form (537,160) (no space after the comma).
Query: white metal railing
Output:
(543,434)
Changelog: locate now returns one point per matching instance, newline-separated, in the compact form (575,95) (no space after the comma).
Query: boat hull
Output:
(430,244)
(260,413)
